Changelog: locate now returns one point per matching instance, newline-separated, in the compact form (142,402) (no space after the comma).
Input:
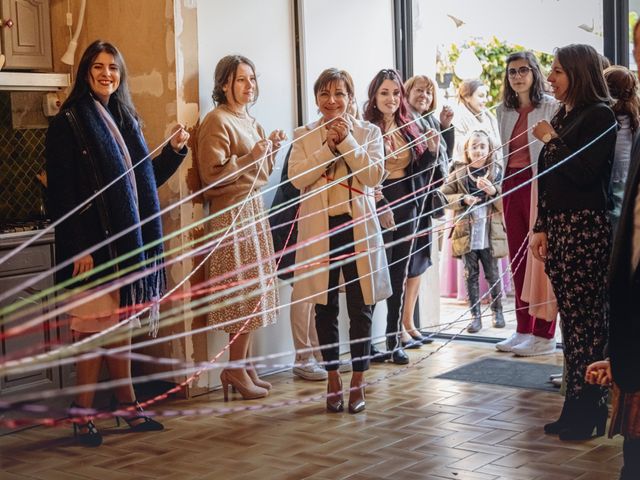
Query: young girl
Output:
(478,232)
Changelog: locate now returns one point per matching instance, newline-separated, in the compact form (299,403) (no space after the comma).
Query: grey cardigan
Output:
(507,118)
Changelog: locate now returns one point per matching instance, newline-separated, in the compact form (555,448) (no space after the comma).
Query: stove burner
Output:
(13,227)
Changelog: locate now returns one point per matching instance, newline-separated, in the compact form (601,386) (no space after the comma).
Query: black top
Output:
(582,181)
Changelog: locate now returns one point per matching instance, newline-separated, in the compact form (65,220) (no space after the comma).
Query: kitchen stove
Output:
(27,226)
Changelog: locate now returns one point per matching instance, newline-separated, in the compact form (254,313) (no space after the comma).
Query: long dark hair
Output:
(226,70)
(536,94)
(623,87)
(583,67)
(120,103)
(402,115)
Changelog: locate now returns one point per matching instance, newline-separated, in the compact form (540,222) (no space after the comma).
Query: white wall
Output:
(264,32)
(354,35)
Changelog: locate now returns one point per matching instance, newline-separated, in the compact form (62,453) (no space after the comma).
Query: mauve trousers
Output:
(517,207)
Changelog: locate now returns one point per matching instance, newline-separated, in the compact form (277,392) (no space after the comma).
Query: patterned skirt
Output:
(242,259)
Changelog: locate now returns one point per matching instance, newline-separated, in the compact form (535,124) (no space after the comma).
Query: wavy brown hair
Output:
(402,116)
(226,70)
(583,67)
(536,93)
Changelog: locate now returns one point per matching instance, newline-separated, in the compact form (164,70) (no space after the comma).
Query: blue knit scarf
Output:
(120,199)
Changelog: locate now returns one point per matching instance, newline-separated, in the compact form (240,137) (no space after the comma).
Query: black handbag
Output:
(436,203)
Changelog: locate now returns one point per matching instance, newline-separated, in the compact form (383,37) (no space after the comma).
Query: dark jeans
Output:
(471,263)
(359,314)
(631,455)
(398,255)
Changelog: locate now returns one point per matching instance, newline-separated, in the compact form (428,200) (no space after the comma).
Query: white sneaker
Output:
(310,371)
(515,339)
(555,375)
(345,367)
(556,382)
(535,346)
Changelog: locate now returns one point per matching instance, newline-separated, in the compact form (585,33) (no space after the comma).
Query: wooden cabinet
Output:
(16,271)
(25,31)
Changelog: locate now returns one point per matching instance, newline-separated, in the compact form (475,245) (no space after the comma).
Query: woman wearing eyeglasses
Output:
(524,103)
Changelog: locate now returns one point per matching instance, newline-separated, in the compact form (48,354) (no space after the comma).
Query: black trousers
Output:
(359,314)
(398,255)
(631,455)
(471,263)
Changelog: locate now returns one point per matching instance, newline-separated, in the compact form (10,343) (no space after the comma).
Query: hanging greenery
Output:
(492,56)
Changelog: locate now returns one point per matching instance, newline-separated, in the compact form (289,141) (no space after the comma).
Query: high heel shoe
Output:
(245,387)
(92,438)
(421,338)
(335,400)
(257,381)
(583,425)
(147,424)
(554,428)
(357,405)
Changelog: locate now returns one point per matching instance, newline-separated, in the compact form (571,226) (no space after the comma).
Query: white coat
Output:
(363,152)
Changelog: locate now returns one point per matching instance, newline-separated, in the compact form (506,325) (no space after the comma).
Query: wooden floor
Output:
(414,427)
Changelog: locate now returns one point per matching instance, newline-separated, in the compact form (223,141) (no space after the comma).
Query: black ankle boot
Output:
(498,319)
(476,324)
(563,421)
(582,428)
(587,414)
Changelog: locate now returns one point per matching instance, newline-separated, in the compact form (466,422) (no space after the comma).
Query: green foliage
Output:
(633,18)
(492,56)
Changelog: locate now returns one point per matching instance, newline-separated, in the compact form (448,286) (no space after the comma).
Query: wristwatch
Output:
(547,137)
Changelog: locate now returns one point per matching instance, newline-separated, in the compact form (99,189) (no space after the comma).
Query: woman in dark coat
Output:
(410,163)
(422,99)
(572,234)
(93,140)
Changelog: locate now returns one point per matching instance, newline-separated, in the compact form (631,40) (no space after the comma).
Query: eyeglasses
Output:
(521,71)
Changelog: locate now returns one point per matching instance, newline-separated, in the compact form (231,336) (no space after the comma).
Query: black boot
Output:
(589,414)
(498,319)
(476,323)
(563,421)
(473,290)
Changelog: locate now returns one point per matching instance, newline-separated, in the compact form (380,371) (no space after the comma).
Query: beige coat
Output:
(455,189)
(305,172)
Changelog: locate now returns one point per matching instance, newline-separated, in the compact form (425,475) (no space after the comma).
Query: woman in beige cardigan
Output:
(235,157)
(341,160)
